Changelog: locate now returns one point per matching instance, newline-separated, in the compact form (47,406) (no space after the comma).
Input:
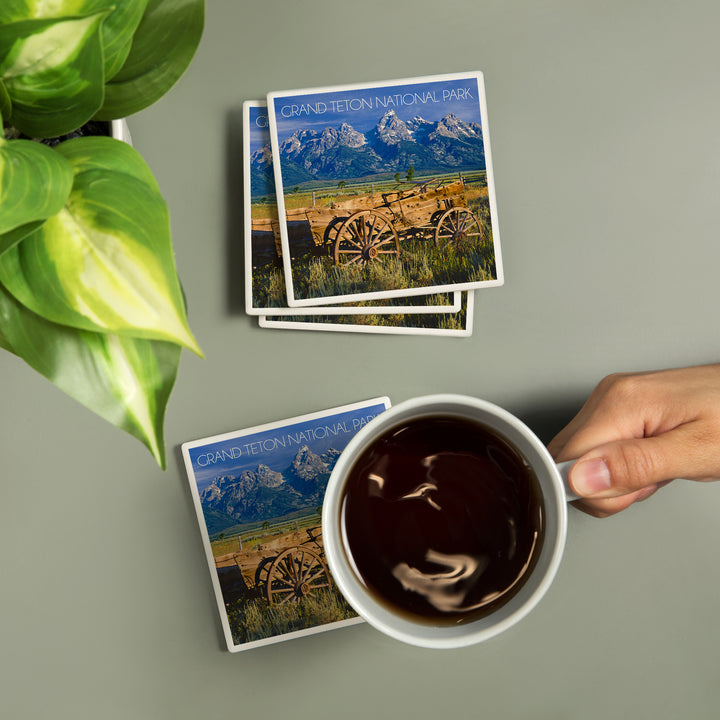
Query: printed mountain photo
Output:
(264,278)
(261,493)
(258,494)
(382,190)
(391,146)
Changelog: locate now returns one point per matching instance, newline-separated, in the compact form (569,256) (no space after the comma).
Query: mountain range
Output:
(392,145)
(263,493)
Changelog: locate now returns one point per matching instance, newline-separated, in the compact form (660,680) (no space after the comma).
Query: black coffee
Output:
(443,520)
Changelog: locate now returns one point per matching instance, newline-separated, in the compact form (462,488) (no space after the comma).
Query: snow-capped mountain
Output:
(393,145)
(263,492)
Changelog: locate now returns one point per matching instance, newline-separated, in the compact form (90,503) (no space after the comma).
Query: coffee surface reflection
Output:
(442,520)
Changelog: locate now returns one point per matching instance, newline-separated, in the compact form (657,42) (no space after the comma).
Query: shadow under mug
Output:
(556,493)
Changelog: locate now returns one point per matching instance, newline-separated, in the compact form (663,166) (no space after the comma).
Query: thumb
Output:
(625,466)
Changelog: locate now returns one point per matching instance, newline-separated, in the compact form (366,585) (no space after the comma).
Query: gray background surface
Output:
(604,124)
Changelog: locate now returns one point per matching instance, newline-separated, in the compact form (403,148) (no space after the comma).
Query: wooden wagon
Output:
(285,569)
(366,228)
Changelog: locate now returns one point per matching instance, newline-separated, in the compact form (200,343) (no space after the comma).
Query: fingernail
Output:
(590,477)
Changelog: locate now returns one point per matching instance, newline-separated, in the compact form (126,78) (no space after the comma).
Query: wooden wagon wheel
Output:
(364,237)
(262,573)
(457,226)
(297,572)
(331,233)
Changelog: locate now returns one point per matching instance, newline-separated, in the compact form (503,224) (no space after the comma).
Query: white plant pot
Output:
(120,131)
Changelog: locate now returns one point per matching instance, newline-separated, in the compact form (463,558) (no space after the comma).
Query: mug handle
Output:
(564,470)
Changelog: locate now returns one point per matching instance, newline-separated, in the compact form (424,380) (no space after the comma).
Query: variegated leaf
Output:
(105,261)
(53,73)
(163,46)
(125,380)
(35,182)
(117,30)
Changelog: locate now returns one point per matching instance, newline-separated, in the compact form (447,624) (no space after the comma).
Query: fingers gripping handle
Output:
(564,470)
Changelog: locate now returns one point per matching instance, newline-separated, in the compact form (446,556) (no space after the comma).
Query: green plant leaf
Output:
(125,380)
(35,182)
(12,238)
(5,105)
(105,261)
(13,10)
(117,30)
(113,156)
(4,342)
(53,72)
(163,46)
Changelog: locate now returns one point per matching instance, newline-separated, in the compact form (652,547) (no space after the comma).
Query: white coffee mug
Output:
(555,491)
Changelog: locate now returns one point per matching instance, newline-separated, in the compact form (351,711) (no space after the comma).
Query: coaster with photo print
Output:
(392,181)
(264,278)
(258,494)
(459,324)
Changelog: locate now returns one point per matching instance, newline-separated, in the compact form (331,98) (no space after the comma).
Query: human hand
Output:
(637,432)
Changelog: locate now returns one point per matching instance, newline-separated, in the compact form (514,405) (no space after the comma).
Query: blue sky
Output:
(362,107)
(259,137)
(259,131)
(276,446)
